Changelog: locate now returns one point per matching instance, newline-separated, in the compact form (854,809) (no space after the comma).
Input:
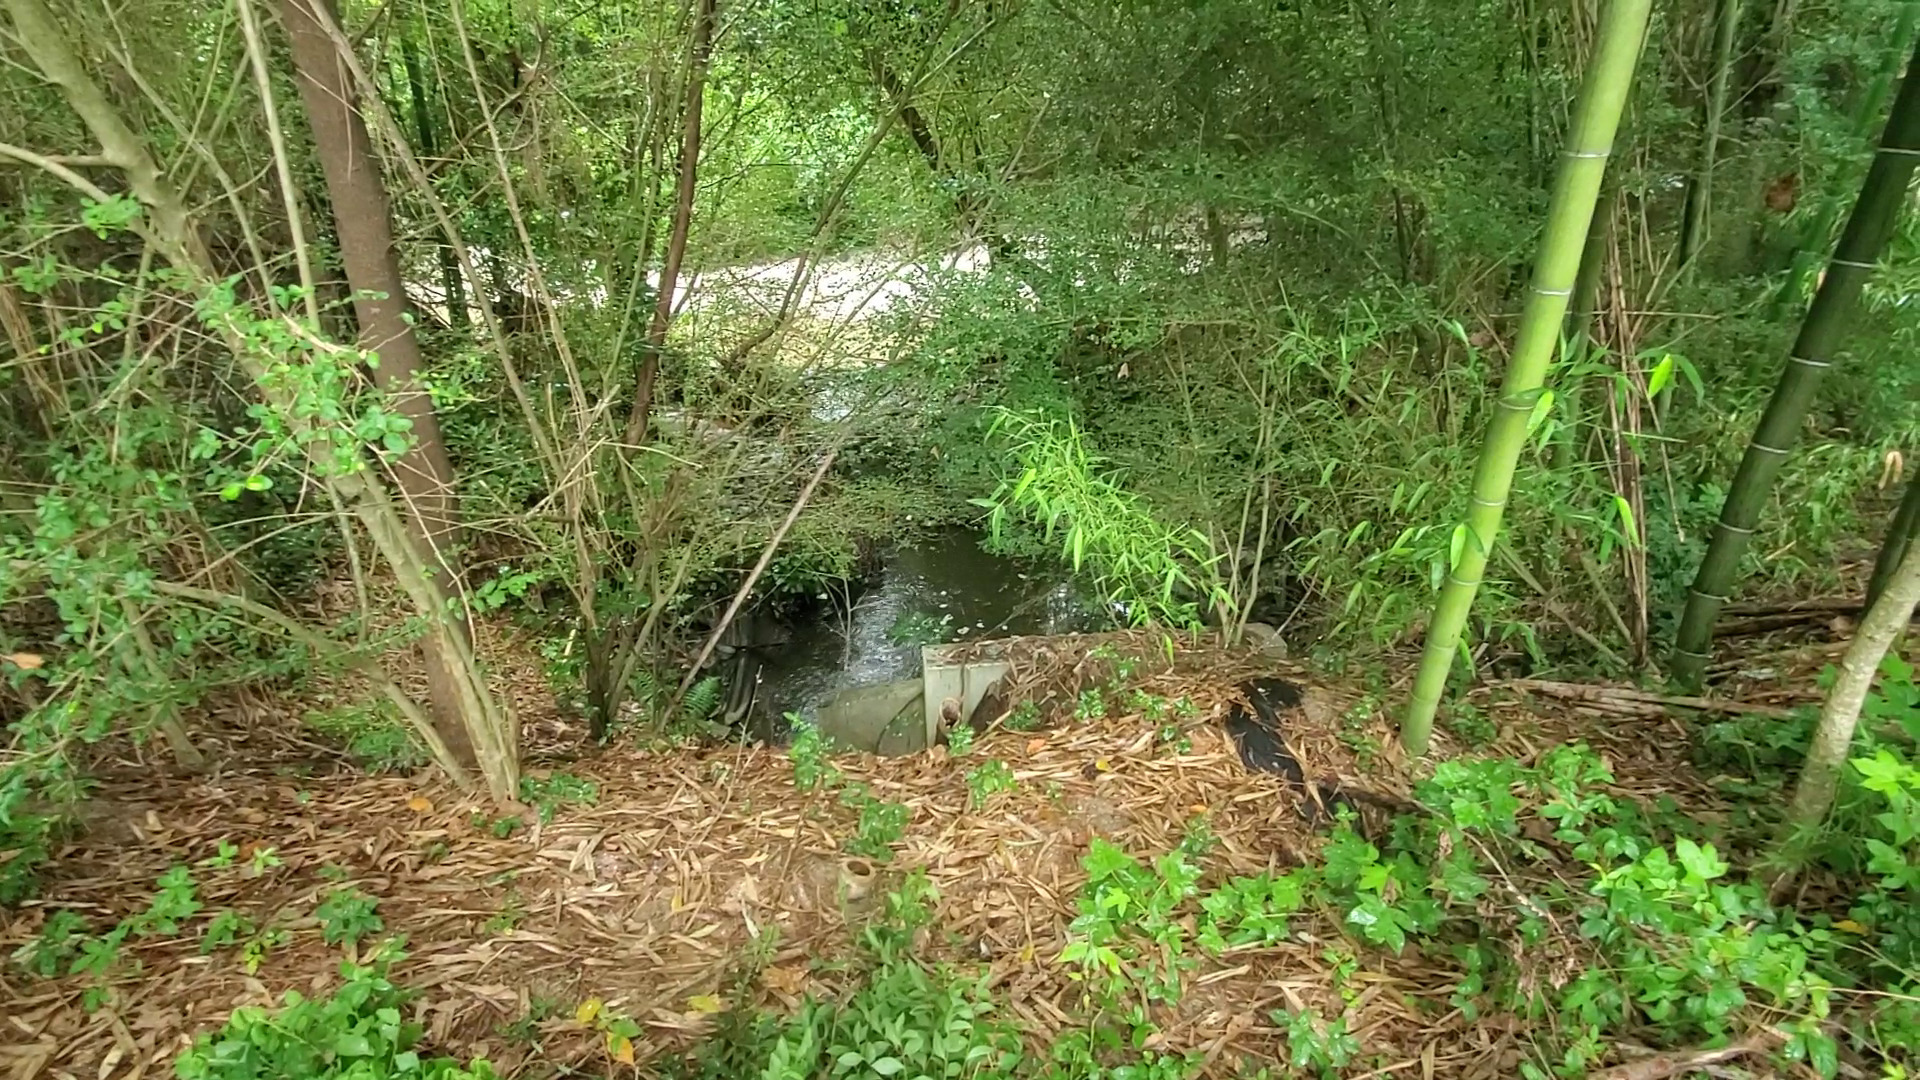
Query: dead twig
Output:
(1645,702)
(746,587)
(1660,1066)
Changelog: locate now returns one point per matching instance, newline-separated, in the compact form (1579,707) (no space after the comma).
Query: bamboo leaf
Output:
(1625,509)
(1456,546)
(1542,408)
(1693,377)
(1661,376)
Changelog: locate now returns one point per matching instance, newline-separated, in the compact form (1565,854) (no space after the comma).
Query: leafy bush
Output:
(357,1032)
(1152,571)
(559,789)
(987,780)
(881,825)
(904,1018)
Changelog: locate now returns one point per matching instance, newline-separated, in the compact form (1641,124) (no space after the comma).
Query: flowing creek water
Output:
(939,588)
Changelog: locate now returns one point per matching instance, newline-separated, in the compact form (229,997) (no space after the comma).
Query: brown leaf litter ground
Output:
(691,860)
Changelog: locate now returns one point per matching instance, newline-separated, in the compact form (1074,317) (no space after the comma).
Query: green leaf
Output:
(1661,377)
(1625,510)
(886,1066)
(1542,408)
(1701,862)
(1456,547)
(351,1044)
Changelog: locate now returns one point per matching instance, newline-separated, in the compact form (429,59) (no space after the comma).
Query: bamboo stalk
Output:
(1906,521)
(1875,214)
(1576,190)
(1699,208)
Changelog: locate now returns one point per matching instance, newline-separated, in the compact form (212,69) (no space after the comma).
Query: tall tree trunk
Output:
(363,221)
(361,214)
(450,280)
(1820,777)
(1893,548)
(1694,223)
(1583,165)
(701,51)
(1874,215)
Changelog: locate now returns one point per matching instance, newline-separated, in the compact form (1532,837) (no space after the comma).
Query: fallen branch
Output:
(1643,702)
(746,587)
(1660,1066)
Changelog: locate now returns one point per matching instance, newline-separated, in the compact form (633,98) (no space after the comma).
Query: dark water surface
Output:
(943,587)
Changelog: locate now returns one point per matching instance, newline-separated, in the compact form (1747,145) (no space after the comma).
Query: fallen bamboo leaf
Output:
(26,661)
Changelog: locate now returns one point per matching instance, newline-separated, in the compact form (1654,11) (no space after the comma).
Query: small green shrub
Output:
(960,740)
(881,825)
(903,1019)
(346,915)
(1317,1044)
(356,1033)
(372,734)
(987,780)
(56,945)
(808,755)
(557,790)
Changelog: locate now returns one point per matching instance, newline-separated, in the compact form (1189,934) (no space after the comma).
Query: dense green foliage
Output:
(1204,302)
(355,1033)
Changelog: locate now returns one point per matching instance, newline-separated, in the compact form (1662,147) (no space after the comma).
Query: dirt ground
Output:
(693,860)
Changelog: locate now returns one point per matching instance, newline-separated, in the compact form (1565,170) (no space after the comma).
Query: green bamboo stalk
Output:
(1699,208)
(1576,188)
(1819,225)
(1906,521)
(1875,213)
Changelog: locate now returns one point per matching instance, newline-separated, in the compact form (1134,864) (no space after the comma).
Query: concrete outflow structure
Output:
(905,717)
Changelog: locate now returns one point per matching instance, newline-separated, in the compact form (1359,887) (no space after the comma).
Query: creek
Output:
(933,589)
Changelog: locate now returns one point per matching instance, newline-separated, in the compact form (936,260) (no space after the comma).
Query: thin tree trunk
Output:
(1603,96)
(362,219)
(1694,222)
(1820,776)
(1874,215)
(450,280)
(702,50)
(1893,548)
